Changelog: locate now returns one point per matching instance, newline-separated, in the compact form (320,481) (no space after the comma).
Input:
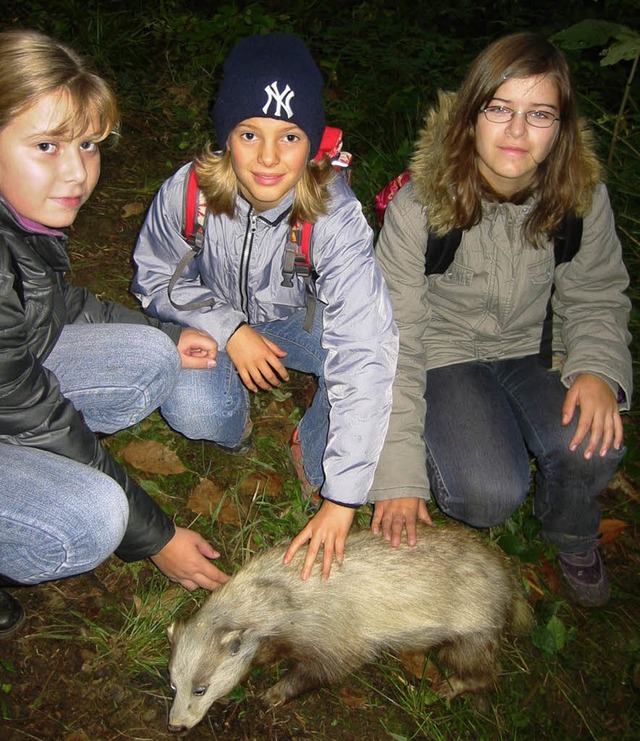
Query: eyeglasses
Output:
(502,114)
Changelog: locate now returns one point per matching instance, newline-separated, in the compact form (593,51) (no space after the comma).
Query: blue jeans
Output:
(484,421)
(218,402)
(59,517)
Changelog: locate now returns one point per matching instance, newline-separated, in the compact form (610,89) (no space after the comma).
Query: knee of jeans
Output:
(77,542)
(168,365)
(483,507)
(218,418)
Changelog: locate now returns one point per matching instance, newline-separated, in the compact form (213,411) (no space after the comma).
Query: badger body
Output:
(452,592)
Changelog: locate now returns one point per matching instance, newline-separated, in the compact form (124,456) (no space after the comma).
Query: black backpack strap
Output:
(440,251)
(566,243)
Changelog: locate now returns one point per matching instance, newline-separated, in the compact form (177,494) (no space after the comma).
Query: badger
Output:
(452,592)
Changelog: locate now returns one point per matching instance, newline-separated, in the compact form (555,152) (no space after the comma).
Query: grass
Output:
(383,63)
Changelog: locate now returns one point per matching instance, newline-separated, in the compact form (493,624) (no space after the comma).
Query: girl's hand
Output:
(256,359)
(197,349)
(185,559)
(396,515)
(327,528)
(598,414)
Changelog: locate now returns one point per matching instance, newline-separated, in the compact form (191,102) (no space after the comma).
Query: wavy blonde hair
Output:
(33,65)
(219,184)
(445,163)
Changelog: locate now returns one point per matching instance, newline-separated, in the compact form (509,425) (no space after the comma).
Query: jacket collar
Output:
(273,216)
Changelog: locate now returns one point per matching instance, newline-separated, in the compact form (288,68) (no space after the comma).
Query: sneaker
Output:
(309,491)
(11,614)
(586,577)
(244,446)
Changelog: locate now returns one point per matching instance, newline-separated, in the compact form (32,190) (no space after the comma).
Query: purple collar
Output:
(34,226)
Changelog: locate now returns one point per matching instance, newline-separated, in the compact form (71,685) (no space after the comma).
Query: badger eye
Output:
(200,691)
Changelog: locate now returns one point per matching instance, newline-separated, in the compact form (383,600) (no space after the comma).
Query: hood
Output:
(427,166)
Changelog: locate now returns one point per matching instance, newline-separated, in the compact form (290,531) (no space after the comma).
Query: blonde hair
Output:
(219,184)
(563,182)
(33,65)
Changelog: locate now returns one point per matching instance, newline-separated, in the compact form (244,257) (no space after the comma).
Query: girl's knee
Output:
(202,408)
(482,507)
(86,530)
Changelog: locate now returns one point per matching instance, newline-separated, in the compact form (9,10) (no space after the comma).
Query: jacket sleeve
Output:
(159,249)
(590,300)
(34,413)
(400,251)
(360,337)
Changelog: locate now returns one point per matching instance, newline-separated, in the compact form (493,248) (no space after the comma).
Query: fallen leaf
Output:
(610,529)
(413,662)
(205,499)
(353,698)
(270,484)
(152,457)
(131,209)
(621,482)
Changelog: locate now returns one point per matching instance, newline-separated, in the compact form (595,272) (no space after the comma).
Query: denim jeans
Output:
(59,517)
(214,404)
(484,421)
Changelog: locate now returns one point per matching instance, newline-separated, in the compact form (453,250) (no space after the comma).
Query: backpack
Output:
(441,250)
(298,258)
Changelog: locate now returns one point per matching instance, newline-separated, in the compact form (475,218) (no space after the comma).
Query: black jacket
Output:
(35,304)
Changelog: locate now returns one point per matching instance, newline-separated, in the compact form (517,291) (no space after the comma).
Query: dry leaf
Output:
(152,457)
(205,498)
(268,483)
(610,529)
(413,662)
(353,698)
(131,209)
(621,482)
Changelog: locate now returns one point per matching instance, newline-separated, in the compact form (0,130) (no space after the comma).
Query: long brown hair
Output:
(563,182)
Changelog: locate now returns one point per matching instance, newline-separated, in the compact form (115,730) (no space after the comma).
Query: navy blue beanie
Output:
(270,76)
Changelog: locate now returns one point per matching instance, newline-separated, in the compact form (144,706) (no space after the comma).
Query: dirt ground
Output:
(55,684)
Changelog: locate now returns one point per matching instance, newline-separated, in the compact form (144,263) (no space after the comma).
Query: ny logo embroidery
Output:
(281,99)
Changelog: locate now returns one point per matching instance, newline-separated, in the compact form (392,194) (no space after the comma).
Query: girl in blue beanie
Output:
(269,120)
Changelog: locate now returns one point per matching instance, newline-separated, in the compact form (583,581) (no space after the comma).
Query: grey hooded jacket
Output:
(491,304)
(239,271)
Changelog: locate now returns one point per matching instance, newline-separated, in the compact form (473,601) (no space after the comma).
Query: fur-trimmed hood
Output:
(427,166)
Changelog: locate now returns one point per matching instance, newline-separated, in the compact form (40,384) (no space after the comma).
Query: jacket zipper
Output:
(244,262)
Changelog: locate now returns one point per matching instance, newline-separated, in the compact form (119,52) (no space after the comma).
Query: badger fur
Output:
(452,592)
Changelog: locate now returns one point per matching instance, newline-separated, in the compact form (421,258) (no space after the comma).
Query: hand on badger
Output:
(328,528)
(185,559)
(396,515)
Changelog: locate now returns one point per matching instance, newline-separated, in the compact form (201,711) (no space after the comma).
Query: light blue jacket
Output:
(240,270)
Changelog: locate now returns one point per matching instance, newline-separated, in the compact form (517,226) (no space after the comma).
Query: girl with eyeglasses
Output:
(505,161)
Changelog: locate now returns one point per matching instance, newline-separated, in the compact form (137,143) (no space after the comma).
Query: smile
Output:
(267,179)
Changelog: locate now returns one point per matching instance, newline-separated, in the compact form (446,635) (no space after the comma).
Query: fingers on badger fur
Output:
(452,592)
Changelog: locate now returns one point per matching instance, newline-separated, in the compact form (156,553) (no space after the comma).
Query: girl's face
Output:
(268,157)
(509,153)
(46,177)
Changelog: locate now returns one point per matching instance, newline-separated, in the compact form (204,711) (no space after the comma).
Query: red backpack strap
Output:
(194,211)
(386,195)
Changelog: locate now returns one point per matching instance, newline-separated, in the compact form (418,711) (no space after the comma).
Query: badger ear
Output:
(232,641)
(170,631)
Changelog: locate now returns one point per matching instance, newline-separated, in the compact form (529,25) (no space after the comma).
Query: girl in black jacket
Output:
(71,365)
